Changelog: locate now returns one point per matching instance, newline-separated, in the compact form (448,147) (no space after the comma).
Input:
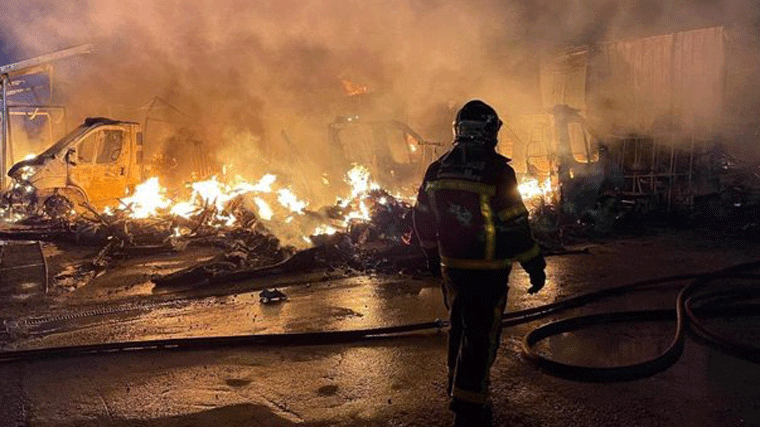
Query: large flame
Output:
(358,178)
(216,199)
(148,199)
(272,204)
(289,200)
(533,190)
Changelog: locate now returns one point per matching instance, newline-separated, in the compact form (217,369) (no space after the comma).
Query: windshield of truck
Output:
(65,141)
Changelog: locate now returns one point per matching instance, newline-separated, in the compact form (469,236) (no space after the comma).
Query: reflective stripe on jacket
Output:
(470,208)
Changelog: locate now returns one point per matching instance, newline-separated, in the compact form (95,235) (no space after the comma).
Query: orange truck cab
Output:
(97,163)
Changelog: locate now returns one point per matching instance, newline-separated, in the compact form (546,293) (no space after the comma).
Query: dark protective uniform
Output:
(470,213)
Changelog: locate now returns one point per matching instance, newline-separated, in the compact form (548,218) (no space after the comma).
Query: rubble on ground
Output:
(378,240)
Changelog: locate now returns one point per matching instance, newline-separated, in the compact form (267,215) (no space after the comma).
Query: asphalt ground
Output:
(393,382)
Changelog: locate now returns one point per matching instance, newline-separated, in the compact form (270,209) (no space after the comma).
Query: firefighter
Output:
(472,224)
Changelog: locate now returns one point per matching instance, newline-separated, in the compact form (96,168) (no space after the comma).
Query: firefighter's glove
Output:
(535,269)
(537,281)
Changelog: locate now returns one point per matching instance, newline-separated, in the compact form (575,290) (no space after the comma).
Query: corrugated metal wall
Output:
(645,85)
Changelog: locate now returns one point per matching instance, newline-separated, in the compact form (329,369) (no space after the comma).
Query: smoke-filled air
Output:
(255,84)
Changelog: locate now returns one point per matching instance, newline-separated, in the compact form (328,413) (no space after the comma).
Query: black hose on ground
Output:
(279,340)
(684,314)
(713,304)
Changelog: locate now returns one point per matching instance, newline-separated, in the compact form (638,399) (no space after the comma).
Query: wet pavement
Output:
(393,382)
(22,271)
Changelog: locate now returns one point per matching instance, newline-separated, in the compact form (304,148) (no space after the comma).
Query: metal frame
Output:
(664,173)
(37,65)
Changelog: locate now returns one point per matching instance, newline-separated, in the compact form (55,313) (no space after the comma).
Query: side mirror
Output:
(71,156)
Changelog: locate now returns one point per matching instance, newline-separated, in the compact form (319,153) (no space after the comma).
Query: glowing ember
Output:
(325,229)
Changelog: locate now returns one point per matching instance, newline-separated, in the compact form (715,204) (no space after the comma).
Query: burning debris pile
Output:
(262,227)
(368,232)
(254,224)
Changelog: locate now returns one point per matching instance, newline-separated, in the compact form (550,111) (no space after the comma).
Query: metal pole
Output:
(50,84)
(4,132)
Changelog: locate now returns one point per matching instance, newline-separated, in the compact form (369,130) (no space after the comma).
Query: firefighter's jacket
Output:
(469,208)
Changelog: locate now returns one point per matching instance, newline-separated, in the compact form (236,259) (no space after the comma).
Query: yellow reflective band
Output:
(513,212)
(476,264)
(460,185)
(529,254)
(469,396)
(490,229)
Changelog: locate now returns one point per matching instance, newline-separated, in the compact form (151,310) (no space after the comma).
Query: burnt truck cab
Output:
(98,162)
(393,151)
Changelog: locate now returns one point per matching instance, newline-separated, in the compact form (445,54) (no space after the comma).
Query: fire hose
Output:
(687,312)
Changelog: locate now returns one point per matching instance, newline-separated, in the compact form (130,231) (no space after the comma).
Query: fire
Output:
(325,229)
(265,211)
(264,185)
(535,190)
(353,89)
(359,180)
(289,200)
(221,201)
(214,201)
(147,200)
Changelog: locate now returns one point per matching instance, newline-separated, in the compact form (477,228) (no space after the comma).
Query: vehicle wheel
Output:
(57,206)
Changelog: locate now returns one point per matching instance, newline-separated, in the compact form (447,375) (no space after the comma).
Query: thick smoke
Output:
(259,81)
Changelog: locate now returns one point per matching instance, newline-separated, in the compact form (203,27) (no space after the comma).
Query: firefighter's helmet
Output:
(477,122)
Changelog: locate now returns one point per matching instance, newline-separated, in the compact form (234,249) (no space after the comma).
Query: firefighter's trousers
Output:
(476,300)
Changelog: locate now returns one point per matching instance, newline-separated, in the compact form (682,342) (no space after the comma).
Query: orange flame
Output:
(278,206)
(354,89)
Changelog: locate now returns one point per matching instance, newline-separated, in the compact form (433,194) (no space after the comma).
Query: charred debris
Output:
(382,243)
(587,204)
(621,145)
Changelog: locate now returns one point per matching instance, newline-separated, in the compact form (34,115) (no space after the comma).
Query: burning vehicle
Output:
(638,126)
(97,163)
(397,153)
